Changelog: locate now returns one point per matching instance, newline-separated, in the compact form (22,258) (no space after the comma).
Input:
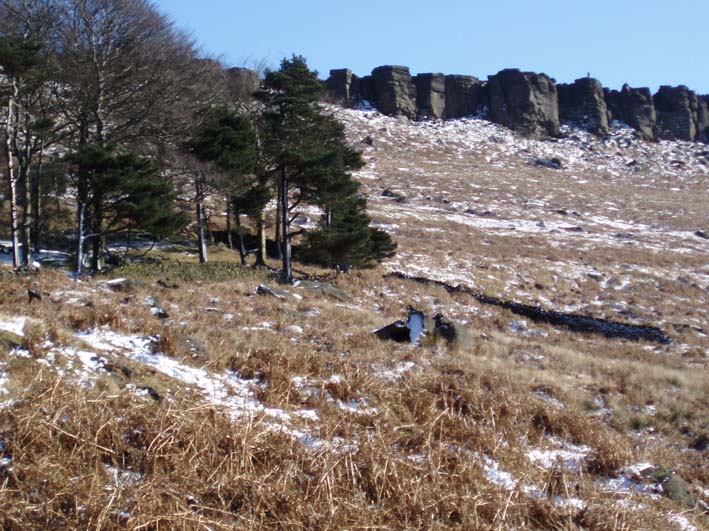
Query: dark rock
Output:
(553,163)
(464,95)
(572,321)
(525,102)
(701,234)
(34,295)
(368,140)
(394,91)
(242,83)
(635,107)
(363,89)
(430,95)
(397,331)
(703,118)
(339,85)
(400,198)
(167,285)
(583,103)
(677,112)
(451,332)
(700,444)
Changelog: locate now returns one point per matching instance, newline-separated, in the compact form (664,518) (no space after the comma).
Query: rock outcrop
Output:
(529,103)
(677,112)
(464,95)
(339,85)
(431,95)
(635,107)
(583,103)
(525,102)
(243,83)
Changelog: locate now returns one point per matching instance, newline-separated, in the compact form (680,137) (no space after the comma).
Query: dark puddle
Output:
(572,321)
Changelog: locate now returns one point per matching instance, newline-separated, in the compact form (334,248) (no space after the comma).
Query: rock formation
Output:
(431,95)
(677,112)
(242,83)
(525,102)
(583,103)
(339,84)
(394,91)
(635,107)
(464,95)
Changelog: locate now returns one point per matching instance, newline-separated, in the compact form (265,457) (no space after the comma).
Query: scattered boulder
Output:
(271,291)
(525,102)
(325,289)
(464,95)
(430,95)
(677,112)
(419,326)
(635,107)
(394,91)
(34,295)
(583,103)
(399,198)
(397,331)
(700,444)
(125,285)
(554,163)
(701,234)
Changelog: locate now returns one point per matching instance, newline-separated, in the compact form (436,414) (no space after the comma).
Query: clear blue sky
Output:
(641,42)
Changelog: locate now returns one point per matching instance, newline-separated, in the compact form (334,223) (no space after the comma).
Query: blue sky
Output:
(643,43)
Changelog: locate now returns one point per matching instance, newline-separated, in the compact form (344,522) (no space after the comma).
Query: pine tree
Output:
(312,163)
(229,142)
(123,192)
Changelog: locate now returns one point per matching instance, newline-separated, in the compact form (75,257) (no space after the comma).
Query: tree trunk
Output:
(277,236)
(80,208)
(261,230)
(287,275)
(11,180)
(229,242)
(36,199)
(242,246)
(26,187)
(201,238)
(97,239)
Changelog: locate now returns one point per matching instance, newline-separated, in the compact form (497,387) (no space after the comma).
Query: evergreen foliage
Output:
(125,192)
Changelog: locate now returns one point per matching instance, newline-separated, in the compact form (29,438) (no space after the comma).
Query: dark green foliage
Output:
(125,192)
(19,55)
(228,140)
(313,164)
(347,240)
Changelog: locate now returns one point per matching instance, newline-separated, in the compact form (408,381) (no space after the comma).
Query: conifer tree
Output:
(123,192)
(229,142)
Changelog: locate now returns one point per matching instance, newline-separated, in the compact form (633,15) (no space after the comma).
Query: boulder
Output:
(635,107)
(431,95)
(243,83)
(272,291)
(677,112)
(583,103)
(394,91)
(464,95)
(525,102)
(339,85)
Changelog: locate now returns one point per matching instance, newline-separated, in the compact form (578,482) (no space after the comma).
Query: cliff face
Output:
(529,103)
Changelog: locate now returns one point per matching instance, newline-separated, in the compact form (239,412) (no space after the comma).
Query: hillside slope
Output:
(170,401)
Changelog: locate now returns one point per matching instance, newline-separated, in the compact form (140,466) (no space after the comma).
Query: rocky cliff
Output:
(529,103)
